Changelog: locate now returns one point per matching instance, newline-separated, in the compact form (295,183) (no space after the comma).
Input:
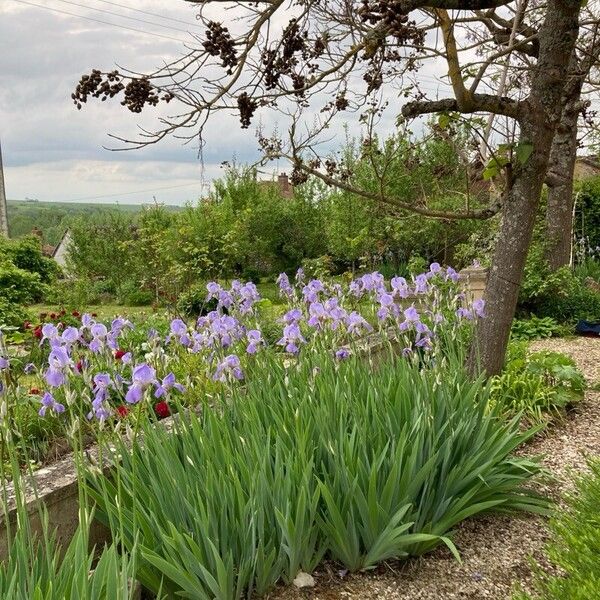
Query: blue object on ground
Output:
(588,328)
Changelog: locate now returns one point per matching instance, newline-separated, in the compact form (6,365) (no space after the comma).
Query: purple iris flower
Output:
(4,363)
(292,316)
(54,377)
(400,287)
(411,314)
(214,289)
(255,340)
(292,336)
(300,275)
(168,383)
(143,376)
(59,358)
(335,313)
(317,315)
(229,367)
(119,324)
(178,327)
(356,322)
(452,275)
(70,335)
(225,299)
(356,288)
(87,321)
(99,330)
(435,268)
(342,354)
(285,288)
(421,284)
(29,368)
(424,342)
(102,382)
(464,313)
(49,403)
(478,307)
(50,333)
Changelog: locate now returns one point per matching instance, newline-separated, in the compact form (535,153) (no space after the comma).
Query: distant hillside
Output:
(52,218)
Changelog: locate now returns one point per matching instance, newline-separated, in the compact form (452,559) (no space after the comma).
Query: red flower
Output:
(119,354)
(162,409)
(27,325)
(62,313)
(79,366)
(76,313)
(35,392)
(122,411)
(94,314)
(53,316)
(37,332)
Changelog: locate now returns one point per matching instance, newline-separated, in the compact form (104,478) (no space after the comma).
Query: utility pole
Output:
(3,205)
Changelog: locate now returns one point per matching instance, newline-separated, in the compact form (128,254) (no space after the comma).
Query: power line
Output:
(114,14)
(151,14)
(169,187)
(65,12)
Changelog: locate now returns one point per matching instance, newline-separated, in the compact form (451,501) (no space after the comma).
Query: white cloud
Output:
(54,152)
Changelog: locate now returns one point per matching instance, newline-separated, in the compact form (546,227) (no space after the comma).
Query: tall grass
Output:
(313,460)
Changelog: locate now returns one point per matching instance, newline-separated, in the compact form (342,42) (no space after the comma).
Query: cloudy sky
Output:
(52,151)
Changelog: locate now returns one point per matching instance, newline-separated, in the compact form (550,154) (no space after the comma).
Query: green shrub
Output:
(193,303)
(588,269)
(534,328)
(19,286)
(574,549)
(560,295)
(130,294)
(538,385)
(11,314)
(312,460)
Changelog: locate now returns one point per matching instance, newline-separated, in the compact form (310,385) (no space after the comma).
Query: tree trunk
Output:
(538,122)
(559,212)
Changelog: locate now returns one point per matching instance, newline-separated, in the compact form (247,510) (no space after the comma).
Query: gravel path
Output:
(495,550)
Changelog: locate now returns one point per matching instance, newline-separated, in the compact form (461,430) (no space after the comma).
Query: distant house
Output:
(62,249)
(58,252)
(282,183)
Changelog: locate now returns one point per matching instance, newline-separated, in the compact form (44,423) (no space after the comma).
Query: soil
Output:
(497,551)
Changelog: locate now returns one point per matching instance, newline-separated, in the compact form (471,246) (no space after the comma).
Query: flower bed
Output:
(86,375)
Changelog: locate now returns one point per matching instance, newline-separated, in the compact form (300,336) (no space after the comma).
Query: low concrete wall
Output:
(56,485)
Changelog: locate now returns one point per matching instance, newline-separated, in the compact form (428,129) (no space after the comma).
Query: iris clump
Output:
(96,368)
(318,458)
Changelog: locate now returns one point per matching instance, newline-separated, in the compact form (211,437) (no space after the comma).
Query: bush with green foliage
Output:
(539,385)
(535,328)
(24,277)
(312,460)
(574,548)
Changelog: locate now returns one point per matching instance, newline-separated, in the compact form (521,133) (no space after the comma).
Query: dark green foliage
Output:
(24,277)
(192,303)
(310,461)
(538,385)
(587,213)
(560,294)
(574,549)
(534,328)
